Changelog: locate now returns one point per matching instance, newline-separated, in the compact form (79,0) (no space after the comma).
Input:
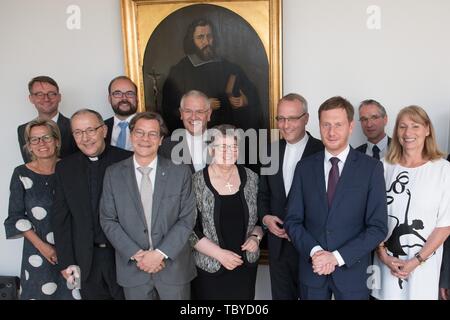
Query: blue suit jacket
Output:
(354,225)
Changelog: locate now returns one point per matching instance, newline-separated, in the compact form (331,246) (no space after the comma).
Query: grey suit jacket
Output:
(173,219)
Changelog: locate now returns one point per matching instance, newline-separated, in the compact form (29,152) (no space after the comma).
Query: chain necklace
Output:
(227,181)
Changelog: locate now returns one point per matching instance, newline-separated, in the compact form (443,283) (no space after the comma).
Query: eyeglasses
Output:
(41,95)
(138,133)
(120,94)
(224,147)
(190,112)
(289,119)
(328,126)
(36,140)
(371,118)
(89,132)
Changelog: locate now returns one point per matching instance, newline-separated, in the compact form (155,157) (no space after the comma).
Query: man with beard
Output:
(233,97)
(123,98)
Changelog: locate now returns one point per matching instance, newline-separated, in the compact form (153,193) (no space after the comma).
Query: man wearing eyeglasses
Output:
(337,211)
(188,145)
(148,212)
(292,117)
(122,95)
(373,118)
(79,182)
(45,96)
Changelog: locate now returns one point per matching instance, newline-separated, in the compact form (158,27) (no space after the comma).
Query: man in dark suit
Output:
(44,94)
(444,280)
(122,95)
(292,117)
(79,238)
(188,145)
(148,213)
(373,118)
(337,212)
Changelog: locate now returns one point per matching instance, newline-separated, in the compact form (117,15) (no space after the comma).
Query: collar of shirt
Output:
(56,117)
(99,156)
(196,61)
(299,144)
(195,143)
(117,120)
(382,145)
(327,164)
(138,174)
(292,155)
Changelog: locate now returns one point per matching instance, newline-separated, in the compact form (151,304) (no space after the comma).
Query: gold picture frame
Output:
(140,18)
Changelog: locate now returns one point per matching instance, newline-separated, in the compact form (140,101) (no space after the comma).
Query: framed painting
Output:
(165,59)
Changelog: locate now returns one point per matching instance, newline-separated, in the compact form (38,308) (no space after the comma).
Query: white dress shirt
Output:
(56,117)
(292,154)
(195,144)
(327,166)
(116,131)
(382,145)
(153,165)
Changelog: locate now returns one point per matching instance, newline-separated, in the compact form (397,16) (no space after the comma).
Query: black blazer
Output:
(110,124)
(72,218)
(272,198)
(363,148)
(68,145)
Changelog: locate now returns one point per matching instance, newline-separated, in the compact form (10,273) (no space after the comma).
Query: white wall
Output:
(328,51)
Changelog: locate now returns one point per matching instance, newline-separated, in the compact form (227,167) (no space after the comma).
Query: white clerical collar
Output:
(196,61)
(300,143)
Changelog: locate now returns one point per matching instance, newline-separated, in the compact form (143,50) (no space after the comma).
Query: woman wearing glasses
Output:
(30,202)
(226,238)
(408,262)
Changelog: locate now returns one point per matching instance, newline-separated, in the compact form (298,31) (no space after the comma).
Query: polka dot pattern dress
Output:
(30,205)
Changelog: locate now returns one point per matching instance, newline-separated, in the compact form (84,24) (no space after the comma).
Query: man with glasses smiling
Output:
(373,118)
(297,143)
(188,145)
(79,182)
(148,212)
(45,96)
(122,95)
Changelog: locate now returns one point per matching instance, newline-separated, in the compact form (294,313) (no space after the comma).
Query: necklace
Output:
(227,181)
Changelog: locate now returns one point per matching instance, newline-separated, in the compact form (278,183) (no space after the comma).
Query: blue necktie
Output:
(376,152)
(122,139)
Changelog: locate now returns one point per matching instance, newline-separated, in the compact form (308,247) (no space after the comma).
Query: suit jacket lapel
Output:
(320,179)
(279,174)
(129,176)
(160,186)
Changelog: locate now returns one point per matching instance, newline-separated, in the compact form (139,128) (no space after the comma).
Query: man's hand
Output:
(324,262)
(272,223)
(72,274)
(445,293)
(214,103)
(238,102)
(251,244)
(150,261)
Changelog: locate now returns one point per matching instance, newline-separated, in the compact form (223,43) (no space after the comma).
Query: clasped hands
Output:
(400,268)
(150,261)
(323,262)
(231,260)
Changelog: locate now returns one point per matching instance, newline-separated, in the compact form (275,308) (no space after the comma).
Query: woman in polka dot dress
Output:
(30,205)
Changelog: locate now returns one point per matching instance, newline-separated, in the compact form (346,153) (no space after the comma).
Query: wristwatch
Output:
(257,236)
(419,257)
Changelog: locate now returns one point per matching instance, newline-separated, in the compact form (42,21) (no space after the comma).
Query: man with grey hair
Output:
(79,238)
(373,118)
(188,145)
(292,117)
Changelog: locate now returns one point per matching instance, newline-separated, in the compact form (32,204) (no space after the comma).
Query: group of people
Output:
(118,209)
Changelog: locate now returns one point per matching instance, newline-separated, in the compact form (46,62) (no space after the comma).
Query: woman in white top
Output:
(418,196)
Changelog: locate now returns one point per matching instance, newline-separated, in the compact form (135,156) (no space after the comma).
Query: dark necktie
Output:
(333,178)
(376,152)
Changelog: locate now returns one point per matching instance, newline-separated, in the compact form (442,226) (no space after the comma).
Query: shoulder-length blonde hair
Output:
(430,149)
